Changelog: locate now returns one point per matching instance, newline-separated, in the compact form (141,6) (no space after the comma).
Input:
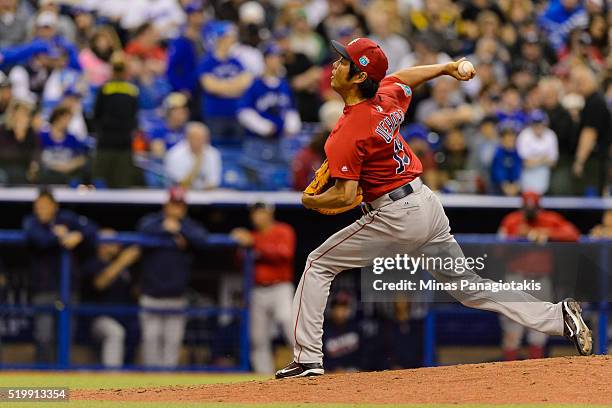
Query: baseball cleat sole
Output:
(296,370)
(575,328)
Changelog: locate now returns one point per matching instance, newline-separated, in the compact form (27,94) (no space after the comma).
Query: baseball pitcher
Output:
(367,160)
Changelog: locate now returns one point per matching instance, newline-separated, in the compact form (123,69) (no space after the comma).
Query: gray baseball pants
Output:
(162,334)
(418,223)
(270,305)
(111,334)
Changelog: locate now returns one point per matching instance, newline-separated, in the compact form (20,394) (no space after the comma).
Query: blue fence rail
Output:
(65,308)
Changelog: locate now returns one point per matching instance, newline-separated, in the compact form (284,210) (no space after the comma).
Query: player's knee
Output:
(150,331)
(117,333)
(315,265)
(312,257)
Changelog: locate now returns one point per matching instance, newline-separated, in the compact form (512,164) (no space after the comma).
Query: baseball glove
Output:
(321,182)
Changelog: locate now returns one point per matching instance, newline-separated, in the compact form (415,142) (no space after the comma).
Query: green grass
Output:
(94,380)
(102,404)
(89,380)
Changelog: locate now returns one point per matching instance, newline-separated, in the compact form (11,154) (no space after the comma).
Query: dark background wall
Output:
(311,228)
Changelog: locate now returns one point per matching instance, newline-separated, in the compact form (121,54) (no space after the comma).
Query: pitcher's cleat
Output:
(300,370)
(575,328)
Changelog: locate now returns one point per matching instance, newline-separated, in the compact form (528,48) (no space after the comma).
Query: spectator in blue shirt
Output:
(172,131)
(165,135)
(63,156)
(506,165)
(47,24)
(61,79)
(267,110)
(165,276)
(185,51)
(153,87)
(268,113)
(561,17)
(223,80)
(511,108)
(49,232)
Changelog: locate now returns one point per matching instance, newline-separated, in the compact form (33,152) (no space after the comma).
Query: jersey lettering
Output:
(399,155)
(387,127)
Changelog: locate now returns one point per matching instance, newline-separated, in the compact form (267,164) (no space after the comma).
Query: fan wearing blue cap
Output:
(223,80)
(267,110)
(538,147)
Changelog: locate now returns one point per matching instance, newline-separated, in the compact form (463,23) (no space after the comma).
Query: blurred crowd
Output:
(236,94)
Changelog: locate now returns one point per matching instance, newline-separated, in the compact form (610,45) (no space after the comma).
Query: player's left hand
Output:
(452,69)
(71,240)
(171,225)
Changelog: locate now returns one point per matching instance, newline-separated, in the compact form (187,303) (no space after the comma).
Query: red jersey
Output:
(274,252)
(538,261)
(557,227)
(366,145)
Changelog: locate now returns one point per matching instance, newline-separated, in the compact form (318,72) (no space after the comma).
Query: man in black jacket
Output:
(165,276)
(49,232)
(116,121)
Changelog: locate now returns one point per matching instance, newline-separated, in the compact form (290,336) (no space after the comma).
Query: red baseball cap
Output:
(366,55)
(177,194)
(531,199)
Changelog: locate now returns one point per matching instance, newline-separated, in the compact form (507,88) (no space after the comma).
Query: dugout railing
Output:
(65,309)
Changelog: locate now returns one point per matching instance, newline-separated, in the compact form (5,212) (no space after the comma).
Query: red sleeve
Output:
(395,89)
(345,162)
(345,150)
(279,246)
(560,229)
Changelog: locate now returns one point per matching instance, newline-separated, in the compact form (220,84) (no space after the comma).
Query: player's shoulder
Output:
(393,84)
(357,121)
(514,217)
(283,227)
(549,215)
(151,218)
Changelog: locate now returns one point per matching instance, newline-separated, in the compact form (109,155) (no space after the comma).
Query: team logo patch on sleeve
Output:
(406,88)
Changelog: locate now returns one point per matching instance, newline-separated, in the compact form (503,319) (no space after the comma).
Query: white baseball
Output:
(465,68)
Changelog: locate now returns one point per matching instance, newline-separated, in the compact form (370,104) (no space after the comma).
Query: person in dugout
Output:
(342,336)
(108,282)
(273,243)
(535,263)
(50,231)
(165,278)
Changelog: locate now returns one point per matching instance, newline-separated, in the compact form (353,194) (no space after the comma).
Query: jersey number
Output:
(399,155)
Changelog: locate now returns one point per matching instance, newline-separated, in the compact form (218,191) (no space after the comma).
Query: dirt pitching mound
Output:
(583,380)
